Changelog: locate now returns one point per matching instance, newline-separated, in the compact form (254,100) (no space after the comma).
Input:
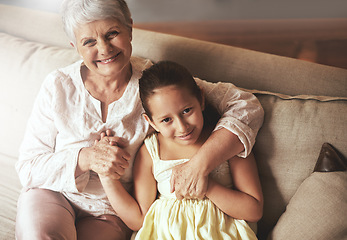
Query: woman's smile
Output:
(108,60)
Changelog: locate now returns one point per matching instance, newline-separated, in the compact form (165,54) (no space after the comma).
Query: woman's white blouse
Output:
(66,118)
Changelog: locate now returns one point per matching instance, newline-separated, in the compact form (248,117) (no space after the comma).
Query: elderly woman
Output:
(61,157)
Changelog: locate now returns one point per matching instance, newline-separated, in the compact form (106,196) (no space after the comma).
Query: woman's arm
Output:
(245,200)
(39,164)
(242,117)
(61,165)
(133,210)
(221,145)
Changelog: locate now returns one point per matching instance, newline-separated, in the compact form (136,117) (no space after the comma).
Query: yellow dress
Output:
(169,218)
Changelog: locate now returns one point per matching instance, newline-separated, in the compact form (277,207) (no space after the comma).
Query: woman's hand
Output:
(189,181)
(106,157)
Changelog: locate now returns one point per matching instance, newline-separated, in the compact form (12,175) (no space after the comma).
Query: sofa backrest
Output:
(210,61)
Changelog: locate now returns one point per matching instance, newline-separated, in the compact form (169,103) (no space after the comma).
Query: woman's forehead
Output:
(98,26)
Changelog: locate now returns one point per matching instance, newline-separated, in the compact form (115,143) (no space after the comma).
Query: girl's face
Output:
(105,46)
(176,114)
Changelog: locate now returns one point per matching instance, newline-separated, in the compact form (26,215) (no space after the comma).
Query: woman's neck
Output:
(106,89)
(103,85)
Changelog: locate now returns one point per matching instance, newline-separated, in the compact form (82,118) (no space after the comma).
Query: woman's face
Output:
(105,46)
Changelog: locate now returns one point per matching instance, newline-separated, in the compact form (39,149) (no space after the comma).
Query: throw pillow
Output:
(318,208)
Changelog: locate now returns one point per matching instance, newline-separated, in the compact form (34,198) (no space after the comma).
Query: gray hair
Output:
(79,12)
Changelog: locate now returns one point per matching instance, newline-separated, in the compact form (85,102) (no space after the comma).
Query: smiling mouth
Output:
(111,59)
(185,135)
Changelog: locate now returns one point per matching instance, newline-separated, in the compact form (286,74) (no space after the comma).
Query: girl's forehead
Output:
(169,88)
(171,96)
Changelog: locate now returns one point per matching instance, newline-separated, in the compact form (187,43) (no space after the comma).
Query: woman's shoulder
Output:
(65,76)
(62,83)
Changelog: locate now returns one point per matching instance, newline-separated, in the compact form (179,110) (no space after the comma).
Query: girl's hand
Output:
(187,181)
(106,157)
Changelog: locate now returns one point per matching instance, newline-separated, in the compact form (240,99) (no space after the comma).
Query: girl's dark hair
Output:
(162,74)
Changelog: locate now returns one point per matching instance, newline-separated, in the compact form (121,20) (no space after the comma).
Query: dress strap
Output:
(152,146)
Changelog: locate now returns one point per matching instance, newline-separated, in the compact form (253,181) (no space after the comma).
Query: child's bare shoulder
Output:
(143,157)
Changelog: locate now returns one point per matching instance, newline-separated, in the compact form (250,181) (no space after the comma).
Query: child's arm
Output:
(245,200)
(132,211)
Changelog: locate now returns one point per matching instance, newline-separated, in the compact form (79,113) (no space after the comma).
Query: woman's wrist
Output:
(82,161)
(201,164)
(211,184)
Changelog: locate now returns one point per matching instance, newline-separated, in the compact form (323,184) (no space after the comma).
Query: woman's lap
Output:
(44,214)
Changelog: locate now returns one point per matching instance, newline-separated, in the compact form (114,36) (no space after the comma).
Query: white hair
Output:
(79,12)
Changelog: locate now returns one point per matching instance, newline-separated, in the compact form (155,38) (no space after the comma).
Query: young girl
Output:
(174,107)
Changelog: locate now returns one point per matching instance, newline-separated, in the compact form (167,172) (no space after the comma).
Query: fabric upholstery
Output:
(288,144)
(313,213)
(9,192)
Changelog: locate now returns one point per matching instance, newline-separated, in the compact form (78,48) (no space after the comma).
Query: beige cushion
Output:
(23,66)
(9,192)
(288,145)
(317,210)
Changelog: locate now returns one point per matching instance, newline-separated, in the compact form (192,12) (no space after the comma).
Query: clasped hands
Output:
(112,160)
(108,157)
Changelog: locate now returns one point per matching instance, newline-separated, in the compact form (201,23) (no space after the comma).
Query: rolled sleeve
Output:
(241,112)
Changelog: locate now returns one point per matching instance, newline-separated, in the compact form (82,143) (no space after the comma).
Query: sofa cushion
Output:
(9,192)
(318,208)
(23,66)
(288,144)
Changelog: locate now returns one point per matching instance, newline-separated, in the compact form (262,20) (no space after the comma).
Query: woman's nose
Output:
(104,47)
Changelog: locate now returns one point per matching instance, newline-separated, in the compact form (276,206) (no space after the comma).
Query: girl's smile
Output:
(186,136)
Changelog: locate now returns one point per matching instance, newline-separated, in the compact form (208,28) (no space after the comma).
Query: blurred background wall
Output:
(197,10)
(311,30)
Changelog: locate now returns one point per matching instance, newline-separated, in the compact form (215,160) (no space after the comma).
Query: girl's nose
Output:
(182,125)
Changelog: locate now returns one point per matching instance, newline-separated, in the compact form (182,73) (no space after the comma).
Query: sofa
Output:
(300,149)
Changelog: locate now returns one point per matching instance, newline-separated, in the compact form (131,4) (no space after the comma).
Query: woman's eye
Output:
(112,34)
(89,42)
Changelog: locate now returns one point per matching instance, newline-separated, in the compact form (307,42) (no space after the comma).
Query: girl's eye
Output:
(166,120)
(187,110)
